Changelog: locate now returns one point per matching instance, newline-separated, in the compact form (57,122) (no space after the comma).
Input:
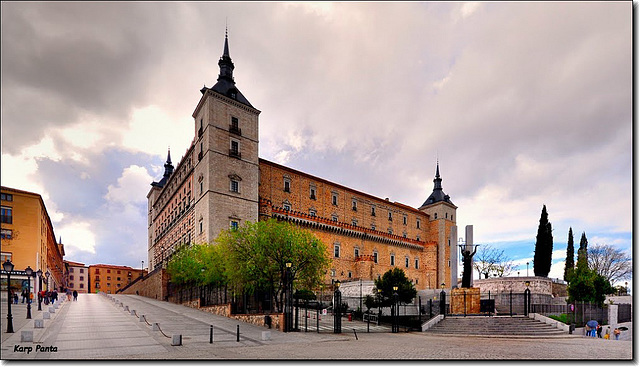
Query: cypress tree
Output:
(583,262)
(569,262)
(544,246)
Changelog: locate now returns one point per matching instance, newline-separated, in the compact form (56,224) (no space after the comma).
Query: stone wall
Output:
(465,301)
(539,285)
(255,319)
(152,285)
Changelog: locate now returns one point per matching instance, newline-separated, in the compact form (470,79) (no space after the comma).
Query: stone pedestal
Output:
(465,301)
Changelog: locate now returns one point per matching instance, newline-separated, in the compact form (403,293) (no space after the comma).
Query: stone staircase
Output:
(495,326)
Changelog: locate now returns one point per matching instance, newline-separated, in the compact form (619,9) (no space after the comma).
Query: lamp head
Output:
(395,288)
(28,271)
(39,273)
(288,264)
(527,283)
(442,286)
(7,266)
(337,283)
(47,274)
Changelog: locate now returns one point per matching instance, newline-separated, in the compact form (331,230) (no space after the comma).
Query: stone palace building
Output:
(221,182)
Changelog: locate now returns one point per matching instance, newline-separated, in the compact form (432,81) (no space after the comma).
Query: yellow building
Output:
(28,239)
(110,278)
(77,276)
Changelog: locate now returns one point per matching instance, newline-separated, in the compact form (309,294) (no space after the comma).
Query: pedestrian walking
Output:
(68,294)
(616,332)
(607,334)
(54,296)
(599,331)
(15,298)
(75,295)
(24,295)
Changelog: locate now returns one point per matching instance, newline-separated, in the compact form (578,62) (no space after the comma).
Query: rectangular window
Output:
(390,217)
(234,128)
(354,222)
(5,256)
(449,263)
(70,285)
(6,215)
(312,193)
(97,285)
(334,218)
(312,212)
(375,257)
(356,252)
(97,277)
(349,275)
(287,185)
(334,199)
(108,271)
(373,226)
(234,225)
(354,205)
(7,234)
(336,250)
(286,207)
(418,223)
(7,197)
(70,270)
(200,225)
(81,286)
(234,151)
(393,259)
(81,278)
(373,211)
(116,278)
(417,262)
(70,277)
(81,271)
(333,272)
(108,278)
(235,186)
(97,271)
(404,220)
(406,262)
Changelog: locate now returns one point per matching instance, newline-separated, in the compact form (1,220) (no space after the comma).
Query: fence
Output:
(209,295)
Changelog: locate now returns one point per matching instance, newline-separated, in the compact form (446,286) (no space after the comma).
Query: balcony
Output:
(234,153)
(235,130)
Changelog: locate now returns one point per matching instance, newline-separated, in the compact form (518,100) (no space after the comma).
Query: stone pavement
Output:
(95,327)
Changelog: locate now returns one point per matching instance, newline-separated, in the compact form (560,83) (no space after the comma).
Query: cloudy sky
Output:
(524,104)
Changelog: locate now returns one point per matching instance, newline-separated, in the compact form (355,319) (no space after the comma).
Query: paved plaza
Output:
(96,327)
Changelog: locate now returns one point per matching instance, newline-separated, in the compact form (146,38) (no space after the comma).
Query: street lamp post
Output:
(527,298)
(39,273)
(47,274)
(625,288)
(29,272)
(337,308)
(394,310)
(8,267)
(443,300)
(527,268)
(287,301)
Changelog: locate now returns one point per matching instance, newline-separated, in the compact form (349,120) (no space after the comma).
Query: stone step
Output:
(497,326)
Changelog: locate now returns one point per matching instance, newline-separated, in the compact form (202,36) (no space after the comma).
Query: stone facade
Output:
(221,182)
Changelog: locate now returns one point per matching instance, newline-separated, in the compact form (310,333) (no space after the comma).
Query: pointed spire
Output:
(168,167)
(437,182)
(225,63)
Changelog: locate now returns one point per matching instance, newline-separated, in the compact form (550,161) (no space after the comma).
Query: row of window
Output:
(334,201)
(6,197)
(6,234)
(81,285)
(356,253)
(81,277)
(81,270)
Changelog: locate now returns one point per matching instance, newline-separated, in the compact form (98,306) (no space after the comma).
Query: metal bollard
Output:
(237,333)
(176,339)
(211,334)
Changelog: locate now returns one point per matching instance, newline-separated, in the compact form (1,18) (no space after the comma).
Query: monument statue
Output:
(467,257)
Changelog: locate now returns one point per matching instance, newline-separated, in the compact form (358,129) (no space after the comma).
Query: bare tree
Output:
(491,261)
(611,263)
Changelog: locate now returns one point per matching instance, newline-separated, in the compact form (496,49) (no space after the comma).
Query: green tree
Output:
(256,255)
(201,264)
(544,246)
(395,277)
(588,286)
(569,262)
(583,262)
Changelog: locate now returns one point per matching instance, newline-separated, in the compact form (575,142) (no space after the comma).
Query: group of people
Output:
(597,332)
(48,296)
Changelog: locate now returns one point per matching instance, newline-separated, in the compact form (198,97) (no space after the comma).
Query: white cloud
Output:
(132,186)
(152,130)
(469,8)
(77,237)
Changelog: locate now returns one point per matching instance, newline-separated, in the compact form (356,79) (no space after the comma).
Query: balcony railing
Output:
(234,153)
(235,130)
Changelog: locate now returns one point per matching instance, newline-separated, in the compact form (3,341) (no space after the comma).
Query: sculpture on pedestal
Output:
(467,258)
